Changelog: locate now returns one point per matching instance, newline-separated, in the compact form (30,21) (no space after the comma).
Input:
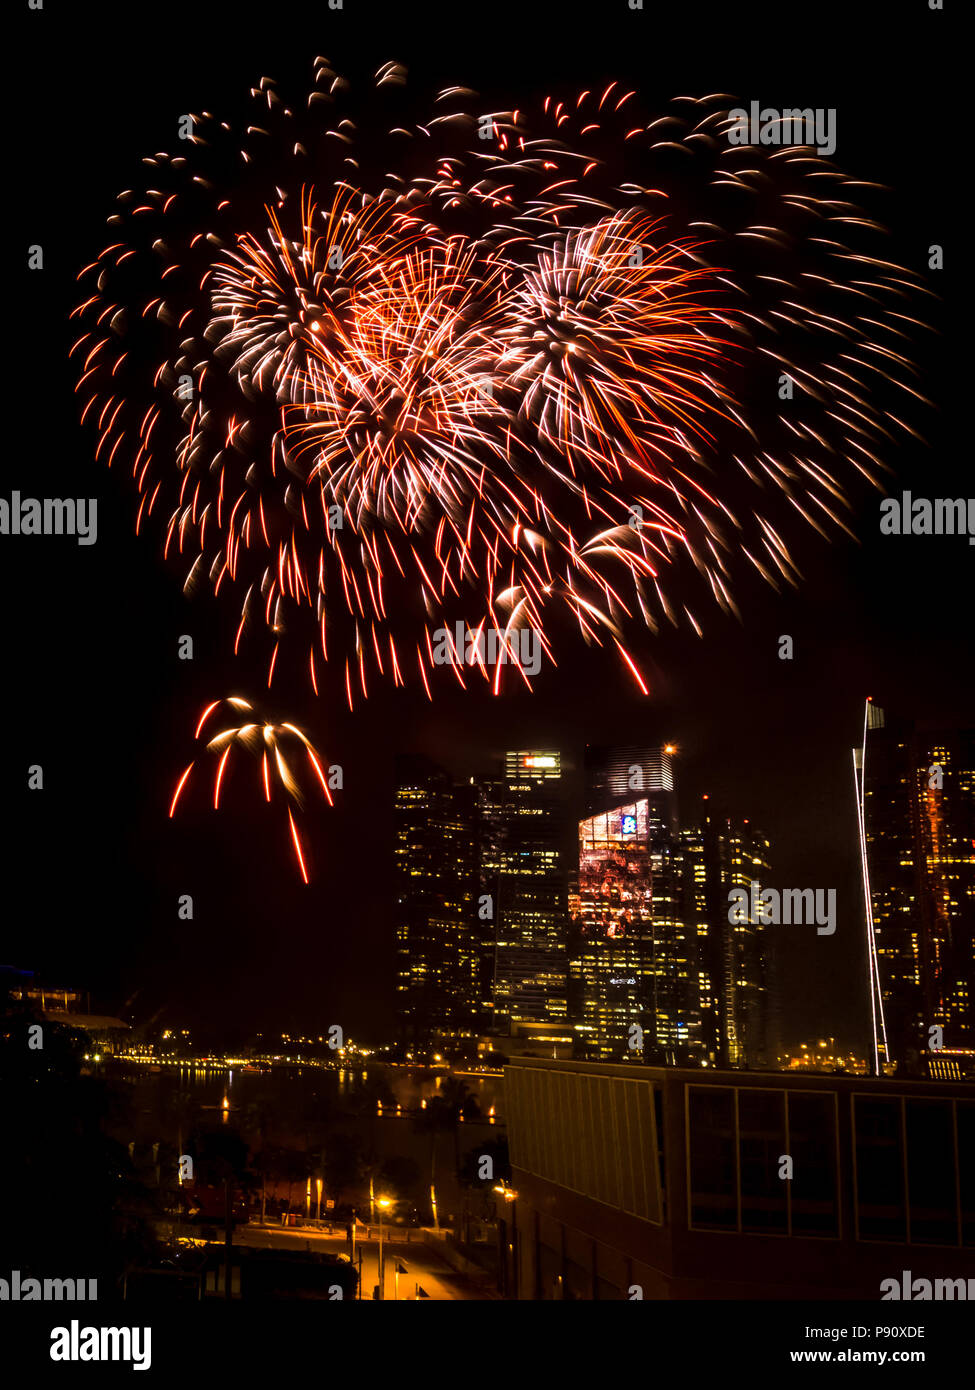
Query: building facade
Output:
(733,958)
(658,973)
(523,884)
(917,820)
(664,1183)
(439,945)
(632,954)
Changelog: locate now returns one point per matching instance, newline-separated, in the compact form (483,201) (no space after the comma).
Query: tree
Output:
(297,1169)
(370,1167)
(257,1123)
(399,1177)
(442,1115)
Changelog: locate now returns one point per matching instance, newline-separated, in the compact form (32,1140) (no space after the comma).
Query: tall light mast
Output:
(872,719)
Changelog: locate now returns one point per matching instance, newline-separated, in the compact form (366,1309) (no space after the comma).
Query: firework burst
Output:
(489,366)
(269,744)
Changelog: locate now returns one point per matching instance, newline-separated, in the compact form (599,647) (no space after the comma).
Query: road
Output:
(423,1264)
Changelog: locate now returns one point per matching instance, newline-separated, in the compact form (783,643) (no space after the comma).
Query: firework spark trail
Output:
(507,377)
(268,743)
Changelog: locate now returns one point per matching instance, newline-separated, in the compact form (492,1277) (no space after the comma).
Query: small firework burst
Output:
(271,746)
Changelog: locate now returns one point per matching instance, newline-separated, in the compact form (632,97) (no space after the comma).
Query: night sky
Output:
(93,689)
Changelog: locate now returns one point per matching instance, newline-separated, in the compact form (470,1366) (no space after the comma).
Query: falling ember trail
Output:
(297,844)
(179,788)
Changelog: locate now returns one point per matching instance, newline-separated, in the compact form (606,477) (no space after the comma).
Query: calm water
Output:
(289,1098)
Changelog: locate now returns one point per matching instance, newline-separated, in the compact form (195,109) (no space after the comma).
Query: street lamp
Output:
(382,1203)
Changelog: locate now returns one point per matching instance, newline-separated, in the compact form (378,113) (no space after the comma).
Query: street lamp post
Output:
(382,1203)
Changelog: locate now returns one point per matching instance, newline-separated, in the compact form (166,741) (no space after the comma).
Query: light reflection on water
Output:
(230,1090)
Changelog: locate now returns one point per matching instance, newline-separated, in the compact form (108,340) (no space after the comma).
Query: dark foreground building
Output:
(670,1183)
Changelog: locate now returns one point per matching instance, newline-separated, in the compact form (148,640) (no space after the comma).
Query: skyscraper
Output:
(616,774)
(632,953)
(439,947)
(732,958)
(916,813)
(524,884)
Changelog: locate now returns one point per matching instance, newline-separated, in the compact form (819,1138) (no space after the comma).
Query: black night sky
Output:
(93,689)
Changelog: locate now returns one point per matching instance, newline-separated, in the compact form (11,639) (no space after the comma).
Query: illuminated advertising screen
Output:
(615,874)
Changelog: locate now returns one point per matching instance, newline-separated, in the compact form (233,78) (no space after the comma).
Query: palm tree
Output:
(185,1108)
(296,1168)
(461,1104)
(442,1114)
(370,1166)
(257,1121)
(269,1164)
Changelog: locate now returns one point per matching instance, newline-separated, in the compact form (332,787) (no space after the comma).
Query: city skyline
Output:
(466,926)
